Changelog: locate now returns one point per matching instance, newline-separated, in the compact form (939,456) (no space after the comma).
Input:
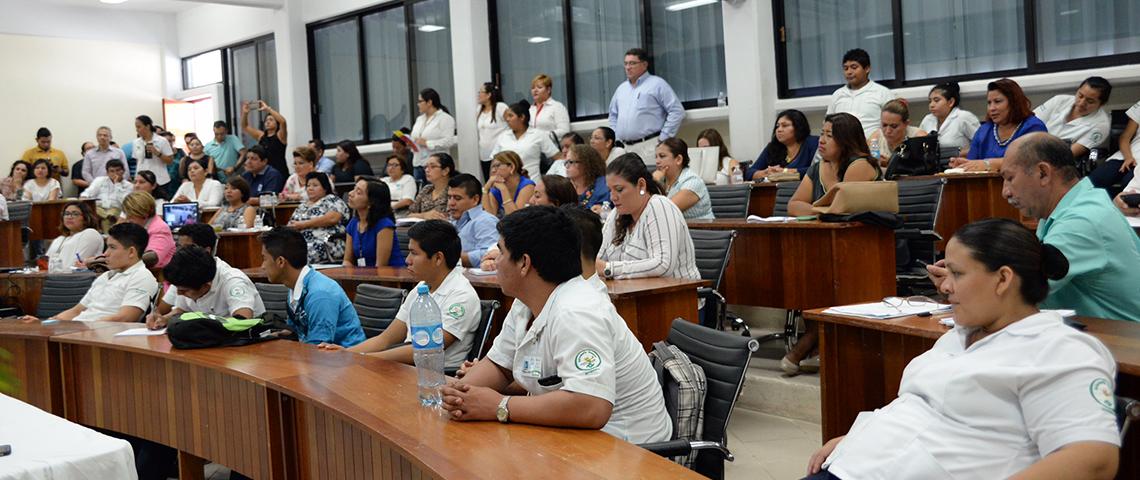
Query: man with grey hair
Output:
(95,160)
(1041,180)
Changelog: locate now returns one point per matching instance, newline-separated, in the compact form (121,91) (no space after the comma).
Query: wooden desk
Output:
(803,265)
(240,249)
(968,198)
(862,362)
(46,217)
(648,305)
(762,201)
(282,409)
(11,247)
(22,289)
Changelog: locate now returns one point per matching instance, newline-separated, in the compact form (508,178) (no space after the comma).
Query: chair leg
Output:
(791,330)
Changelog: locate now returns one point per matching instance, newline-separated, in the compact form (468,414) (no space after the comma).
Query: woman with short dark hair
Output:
(321,220)
(792,146)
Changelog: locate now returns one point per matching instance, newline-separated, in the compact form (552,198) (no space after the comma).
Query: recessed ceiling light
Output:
(431,28)
(112,2)
(676,7)
(538,39)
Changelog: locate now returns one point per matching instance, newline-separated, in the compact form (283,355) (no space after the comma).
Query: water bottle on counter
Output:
(427,346)
(875,148)
(606,207)
(737,176)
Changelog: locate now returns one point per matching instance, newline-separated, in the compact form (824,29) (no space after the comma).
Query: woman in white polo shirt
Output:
(955,127)
(1010,391)
(1079,119)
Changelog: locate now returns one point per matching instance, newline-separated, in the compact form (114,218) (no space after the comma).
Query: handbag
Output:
(855,197)
(916,156)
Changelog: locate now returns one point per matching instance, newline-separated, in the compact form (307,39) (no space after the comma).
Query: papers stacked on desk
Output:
(881,310)
(1133,222)
(479,271)
(408,221)
(759,219)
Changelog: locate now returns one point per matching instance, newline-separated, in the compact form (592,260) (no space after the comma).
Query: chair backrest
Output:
(486,312)
(919,201)
(377,306)
(62,291)
(724,358)
(275,297)
(712,249)
(19,211)
(784,192)
(730,201)
(402,237)
(1127,411)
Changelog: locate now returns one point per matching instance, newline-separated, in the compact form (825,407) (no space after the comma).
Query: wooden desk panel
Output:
(762,201)
(11,247)
(862,362)
(240,249)
(35,360)
(46,217)
(22,289)
(968,198)
(803,265)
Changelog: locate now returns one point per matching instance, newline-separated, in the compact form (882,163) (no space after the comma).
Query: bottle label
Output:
(427,337)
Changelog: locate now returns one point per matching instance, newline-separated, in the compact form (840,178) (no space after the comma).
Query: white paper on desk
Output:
(140,332)
(948,321)
(1133,222)
(324,266)
(881,310)
(759,219)
(479,271)
(408,220)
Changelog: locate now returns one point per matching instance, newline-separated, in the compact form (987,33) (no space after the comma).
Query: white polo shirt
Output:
(532,143)
(987,411)
(1090,130)
(866,104)
(1133,114)
(230,291)
(133,287)
(580,344)
(459,306)
(956,131)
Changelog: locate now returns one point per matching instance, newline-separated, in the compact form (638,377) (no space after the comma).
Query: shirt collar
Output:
(131,269)
(1027,327)
(856,91)
(637,82)
(299,287)
(1070,198)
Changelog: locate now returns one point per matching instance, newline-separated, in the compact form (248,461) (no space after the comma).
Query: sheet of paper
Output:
(882,310)
(408,220)
(140,332)
(1133,222)
(324,266)
(479,271)
(759,219)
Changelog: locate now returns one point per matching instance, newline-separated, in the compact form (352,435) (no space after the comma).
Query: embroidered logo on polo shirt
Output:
(1101,392)
(237,292)
(1096,136)
(456,311)
(587,360)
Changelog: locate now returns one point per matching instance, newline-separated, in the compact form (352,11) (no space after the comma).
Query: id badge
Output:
(360,262)
(532,367)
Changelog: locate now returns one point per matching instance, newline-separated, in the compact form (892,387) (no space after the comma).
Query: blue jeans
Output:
(419,175)
(1109,174)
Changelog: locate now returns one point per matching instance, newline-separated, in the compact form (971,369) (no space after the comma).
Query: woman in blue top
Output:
(372,231)
(507,174)
(1010,117)
(586,169)
(687,191)
(792,146)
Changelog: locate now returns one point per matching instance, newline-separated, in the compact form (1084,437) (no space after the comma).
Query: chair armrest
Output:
(710,293)
(916,234)
(680,447)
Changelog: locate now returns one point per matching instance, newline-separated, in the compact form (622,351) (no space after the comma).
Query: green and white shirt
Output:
(459,307)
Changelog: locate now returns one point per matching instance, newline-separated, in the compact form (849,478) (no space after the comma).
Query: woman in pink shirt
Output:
(138,207)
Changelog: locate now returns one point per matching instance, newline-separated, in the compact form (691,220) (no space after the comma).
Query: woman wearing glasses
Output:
(1011,391)
(80,238)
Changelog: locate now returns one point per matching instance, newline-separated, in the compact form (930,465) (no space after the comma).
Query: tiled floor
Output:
(769,447)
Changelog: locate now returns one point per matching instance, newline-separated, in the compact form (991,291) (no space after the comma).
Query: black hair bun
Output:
(1053,263)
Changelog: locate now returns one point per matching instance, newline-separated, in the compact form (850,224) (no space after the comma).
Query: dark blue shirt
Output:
(984,145)
(270,181)
(364,243)
(801,162)
(523,182)
(596,194)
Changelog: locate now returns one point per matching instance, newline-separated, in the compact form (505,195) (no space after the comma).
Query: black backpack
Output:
(203,330)
(916,156)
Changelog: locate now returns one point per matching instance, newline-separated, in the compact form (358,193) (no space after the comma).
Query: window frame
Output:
(1033,66)
(226,55)
(568,42)
(358,17)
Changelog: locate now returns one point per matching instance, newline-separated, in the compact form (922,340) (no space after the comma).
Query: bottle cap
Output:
(422,289)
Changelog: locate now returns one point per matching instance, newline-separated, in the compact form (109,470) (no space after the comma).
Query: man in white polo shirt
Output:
(123,293)
(861,97)
(433,258)
(576,358)
(1079,119)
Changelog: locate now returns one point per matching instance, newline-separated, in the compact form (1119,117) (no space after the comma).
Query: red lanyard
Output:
(537,112)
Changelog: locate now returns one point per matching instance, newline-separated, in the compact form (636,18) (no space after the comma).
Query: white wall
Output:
(211,26)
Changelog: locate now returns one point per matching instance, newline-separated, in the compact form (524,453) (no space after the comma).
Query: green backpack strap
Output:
(232,324)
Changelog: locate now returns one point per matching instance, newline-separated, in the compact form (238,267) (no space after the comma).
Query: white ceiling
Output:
(160,6)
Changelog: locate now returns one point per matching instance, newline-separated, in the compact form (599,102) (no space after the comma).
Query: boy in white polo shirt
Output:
(200,284)
(1079,119)
(123,293)
(861,96)
(433,258)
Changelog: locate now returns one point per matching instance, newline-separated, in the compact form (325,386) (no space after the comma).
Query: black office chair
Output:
(275,298)
(62,291)
(402,238)
(945,154)
(784,192)
(730,201)
(478,347)
(712,249)
(919,201)
(377,306)
(724,358)
(1127,411)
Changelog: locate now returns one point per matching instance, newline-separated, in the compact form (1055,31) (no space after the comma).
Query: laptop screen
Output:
(178,215)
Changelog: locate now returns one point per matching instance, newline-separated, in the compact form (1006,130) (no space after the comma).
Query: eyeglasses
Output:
(914,301)
(572,162)
(633,64)
(72,214)
(431,166)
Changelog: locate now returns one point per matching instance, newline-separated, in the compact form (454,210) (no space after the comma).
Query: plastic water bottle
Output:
(737,176)
(258,221)
(427,347)
(721,100)
(875,148)
(606,207)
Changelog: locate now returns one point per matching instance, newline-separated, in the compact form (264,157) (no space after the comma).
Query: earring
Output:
(642,193)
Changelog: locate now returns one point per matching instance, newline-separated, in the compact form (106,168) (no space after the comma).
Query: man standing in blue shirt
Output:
(318,310)
(324,164)
(1041,180)
(261,176)
(476,227)
(226,150)
(644,110)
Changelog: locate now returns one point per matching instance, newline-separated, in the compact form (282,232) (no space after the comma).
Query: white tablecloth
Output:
(45,446)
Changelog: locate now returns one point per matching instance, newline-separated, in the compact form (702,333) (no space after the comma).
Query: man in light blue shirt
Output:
(226,149)
(1040,179)
(644,110)
(324,164)
(477,228)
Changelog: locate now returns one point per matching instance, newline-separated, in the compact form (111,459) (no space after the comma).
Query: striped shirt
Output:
(658,245)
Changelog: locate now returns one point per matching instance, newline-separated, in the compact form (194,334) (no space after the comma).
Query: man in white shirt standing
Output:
(1079,119)
(644,110)
(576,358)
(861,97)
(123,293)
(110,189)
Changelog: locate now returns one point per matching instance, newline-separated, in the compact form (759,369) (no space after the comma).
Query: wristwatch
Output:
(607,272)
(502,413)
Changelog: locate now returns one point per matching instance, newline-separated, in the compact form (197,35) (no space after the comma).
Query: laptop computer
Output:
(178,215)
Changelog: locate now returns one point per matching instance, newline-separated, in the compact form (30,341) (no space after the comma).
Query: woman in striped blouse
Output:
(646,235)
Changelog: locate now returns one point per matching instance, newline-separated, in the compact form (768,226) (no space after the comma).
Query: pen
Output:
(78,258)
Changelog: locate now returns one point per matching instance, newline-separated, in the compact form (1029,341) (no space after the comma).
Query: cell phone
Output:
(1075,324)
(5,450)
(1131,199)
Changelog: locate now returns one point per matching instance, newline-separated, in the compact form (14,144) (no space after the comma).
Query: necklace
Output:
(1010,139)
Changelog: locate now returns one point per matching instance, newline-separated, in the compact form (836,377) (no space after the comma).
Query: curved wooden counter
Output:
(280,409)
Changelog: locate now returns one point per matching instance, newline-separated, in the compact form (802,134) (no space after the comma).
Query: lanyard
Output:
(537,112)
